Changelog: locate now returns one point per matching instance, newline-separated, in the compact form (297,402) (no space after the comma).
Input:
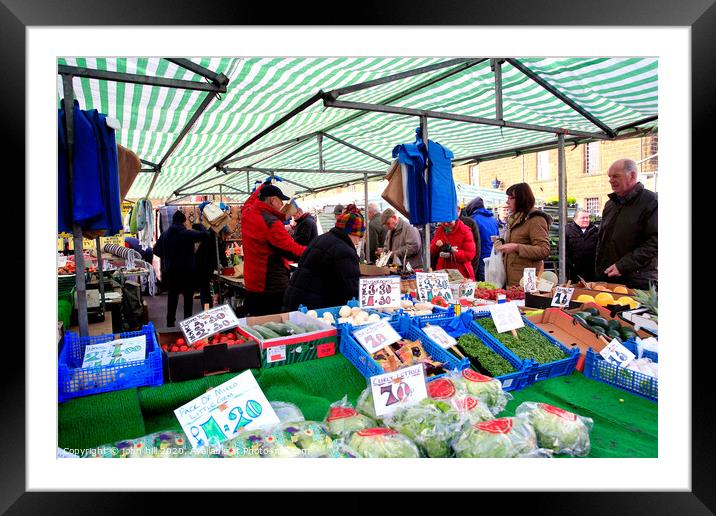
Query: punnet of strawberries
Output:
(228,338)
(511,293)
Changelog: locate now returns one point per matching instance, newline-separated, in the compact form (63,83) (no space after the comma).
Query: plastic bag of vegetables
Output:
(431,424)
(342,419)
(297,439)
(506,437)
(365,406)
(287,412)
(245,445)
(483,387)
(383,443)
(159,445)
(557,429)
(445,390)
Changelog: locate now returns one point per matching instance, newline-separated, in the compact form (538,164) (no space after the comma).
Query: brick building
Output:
(586,167)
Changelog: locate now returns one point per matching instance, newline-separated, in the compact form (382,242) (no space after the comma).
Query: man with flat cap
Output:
(268,250)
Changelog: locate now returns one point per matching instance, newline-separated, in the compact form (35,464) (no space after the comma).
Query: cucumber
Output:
(598,330)
(295,327)
(614,334)
(581,320)
(253,332)
(598,321)
(591,310)
(627,333)
(613,324)
(265,332)
(279,328)
(583,315)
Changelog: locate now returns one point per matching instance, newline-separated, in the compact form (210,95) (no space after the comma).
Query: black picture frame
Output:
(699,15)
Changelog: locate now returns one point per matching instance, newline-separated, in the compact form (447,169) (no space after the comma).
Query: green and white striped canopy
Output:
(616,91)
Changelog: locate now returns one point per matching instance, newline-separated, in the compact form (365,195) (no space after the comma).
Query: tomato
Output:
(181,342)
(183,348)
(230,336)
(174,349)
(230,342)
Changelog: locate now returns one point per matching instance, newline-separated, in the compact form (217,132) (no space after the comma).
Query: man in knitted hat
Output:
(175,248)
(268,250)
(328,273)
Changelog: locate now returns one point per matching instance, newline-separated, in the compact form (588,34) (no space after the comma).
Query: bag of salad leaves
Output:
(506,437)
(558,429)
(342,419)
(383,443)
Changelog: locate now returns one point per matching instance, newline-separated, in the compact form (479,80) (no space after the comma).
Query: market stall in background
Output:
(422,362)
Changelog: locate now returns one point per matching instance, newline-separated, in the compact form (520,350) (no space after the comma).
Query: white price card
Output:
(380,292)
(615,353)
(205,324)
(440,336)
(467,290)
(376,336)
(506,316)
(529,276)
(61,261)
(398,389)
(432,284)
(115,352)
(562,296)
(222,412)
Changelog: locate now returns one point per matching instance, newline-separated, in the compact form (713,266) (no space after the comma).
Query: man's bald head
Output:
(372,210)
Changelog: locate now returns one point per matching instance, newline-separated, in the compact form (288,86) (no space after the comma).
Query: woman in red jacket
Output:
(455,246)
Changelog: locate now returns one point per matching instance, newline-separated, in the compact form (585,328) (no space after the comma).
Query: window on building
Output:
(592,205)
(475,175)
(591,158)
(543,166)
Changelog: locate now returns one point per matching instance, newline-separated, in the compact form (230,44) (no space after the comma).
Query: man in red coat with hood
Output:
(455,246)
(268,250)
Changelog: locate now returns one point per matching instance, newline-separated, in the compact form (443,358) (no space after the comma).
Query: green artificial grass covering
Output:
(64,312)
(627,429)
(621,429)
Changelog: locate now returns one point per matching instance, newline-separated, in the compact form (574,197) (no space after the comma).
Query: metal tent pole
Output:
(101,272)
(76,230)
(221,194)
(562,210)
(426,244)
(496,65)
(365,208)
(320,151)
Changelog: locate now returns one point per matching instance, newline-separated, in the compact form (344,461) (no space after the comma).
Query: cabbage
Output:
(383,443)
(557,429)
(484,388)
(498,438)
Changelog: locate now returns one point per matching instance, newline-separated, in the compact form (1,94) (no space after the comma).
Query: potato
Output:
(345,311)
(424,306)
(312,313)
(406,304)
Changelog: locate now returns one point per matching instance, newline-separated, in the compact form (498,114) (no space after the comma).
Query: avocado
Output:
(598,330)
(627,333)
(613,324)
(591,310)
(583,315)
(614,334)
(597,321)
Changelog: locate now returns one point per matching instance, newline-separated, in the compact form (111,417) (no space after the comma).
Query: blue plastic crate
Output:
(524,369)
(562,367)
(361,360)
(596,368)
(438,313)
(631,346)
(74,381)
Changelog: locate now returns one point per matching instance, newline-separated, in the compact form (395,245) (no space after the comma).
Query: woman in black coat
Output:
(582,237)
(328,273)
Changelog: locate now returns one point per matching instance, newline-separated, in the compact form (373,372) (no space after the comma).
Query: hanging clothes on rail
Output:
(96,203)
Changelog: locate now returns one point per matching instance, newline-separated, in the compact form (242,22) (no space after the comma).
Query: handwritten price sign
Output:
(207,323)
(529,275)
(115,352)
(375,337)
(432,284)
(224,411)
(440,336)
(506,316)
(398,389)
(562,296)
(380,292)
(615,353)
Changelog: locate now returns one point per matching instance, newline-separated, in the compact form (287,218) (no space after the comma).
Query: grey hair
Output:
(629,165)
(388,213)
(579,212)
(373,206)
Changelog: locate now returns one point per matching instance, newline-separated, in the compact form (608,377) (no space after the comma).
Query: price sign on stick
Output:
(432,284)
(380,292)
(207,323)
(376,336)
(562,296)
(398,389)
(115,352)
(222,412)
(615,353)
(506,316)
(440,336)
(529,276)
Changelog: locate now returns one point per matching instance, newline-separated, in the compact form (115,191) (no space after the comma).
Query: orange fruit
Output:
(620,290)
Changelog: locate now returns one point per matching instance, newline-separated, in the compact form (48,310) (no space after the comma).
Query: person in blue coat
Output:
(487,224)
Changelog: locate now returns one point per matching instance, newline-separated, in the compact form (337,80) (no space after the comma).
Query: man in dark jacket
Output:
(627,251)
(175,247)
(328,273)
(305,231)
(267,250)
(582,236)
(376,230)
(488,226)
(205,262)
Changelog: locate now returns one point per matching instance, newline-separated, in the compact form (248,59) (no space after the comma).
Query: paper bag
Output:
(394,193)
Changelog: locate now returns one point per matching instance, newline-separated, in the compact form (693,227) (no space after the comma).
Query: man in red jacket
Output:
(267,250)
(454,244)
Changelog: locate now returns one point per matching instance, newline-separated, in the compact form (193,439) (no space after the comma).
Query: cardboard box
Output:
(293,348)
(215,359)
(373,270)
(580,289)
(606,314)
(565,328)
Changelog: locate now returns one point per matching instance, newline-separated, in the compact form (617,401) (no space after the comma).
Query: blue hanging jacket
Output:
(409,155)
(87,205)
